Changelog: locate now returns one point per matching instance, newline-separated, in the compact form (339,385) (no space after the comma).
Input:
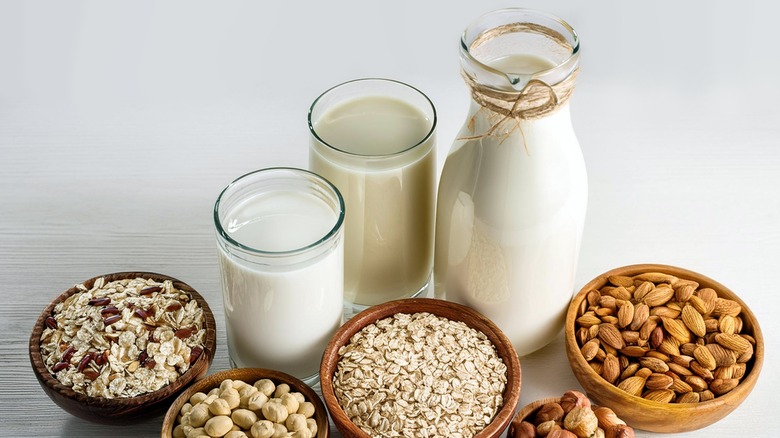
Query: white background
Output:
(120,122)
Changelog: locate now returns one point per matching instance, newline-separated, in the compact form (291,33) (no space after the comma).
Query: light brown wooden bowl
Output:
(248,375)
(446,309)
(526,411)
(120,410)
(650,415)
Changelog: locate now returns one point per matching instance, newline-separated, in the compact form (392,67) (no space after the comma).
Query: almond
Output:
(722,386)
(619,293)
(656,337)
(611,369)
(706,395)
(665,311)
(700,371)
(724,306)
(688,397)
(745,356)
(659,296)
(723,356)
(607,417)
(660,395)
(727,324)
(704,357)
(659,381)
(631,337)
(684,293)
(656,277)
(588,319)
(633,385)
(642,290)
(641,312)
(590,349)
(676,329)
(625,314)
(634,351)
(693,320)
(610,335)
(680,387)
(654,364)
(621,280)
(697,383)
(669,346)
(679,369)
(733,342)
(647,328)
(593,298)
(629,371)
(708,296)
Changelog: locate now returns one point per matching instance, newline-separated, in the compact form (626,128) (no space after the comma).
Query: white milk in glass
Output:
(281,316)
(379,154)
(510,216)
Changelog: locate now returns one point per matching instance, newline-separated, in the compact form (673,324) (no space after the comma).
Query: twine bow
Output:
(537,99)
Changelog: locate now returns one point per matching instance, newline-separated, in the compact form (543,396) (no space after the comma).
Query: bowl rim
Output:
(213,380)
(194,371)
(532,407)
(729,400)
(465,314)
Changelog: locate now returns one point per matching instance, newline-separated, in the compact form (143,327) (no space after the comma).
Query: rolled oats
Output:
(123,338)
(419,374)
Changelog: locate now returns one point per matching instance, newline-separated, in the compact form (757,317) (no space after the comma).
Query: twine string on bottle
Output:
(537,99)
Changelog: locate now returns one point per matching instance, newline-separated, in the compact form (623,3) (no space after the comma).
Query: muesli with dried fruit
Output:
(123,338)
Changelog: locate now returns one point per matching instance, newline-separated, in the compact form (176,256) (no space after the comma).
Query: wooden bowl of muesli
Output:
(669,349)
(420,363)
(120,347)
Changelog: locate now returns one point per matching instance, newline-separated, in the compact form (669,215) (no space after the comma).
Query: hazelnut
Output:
(581,421)
(620,431)
(550,411)
(573,399)
(523,430)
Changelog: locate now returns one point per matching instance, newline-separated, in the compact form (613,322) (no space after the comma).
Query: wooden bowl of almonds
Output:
(119,347)
(670,350)
(247,403)
(421,367)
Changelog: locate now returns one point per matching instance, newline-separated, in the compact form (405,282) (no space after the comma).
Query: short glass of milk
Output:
(374,140)
(281,252)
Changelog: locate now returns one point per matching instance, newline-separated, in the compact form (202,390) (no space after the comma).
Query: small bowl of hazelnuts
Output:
(670,350)
(569,416)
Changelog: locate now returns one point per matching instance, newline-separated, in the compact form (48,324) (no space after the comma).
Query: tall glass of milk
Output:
(281,254)
(513,191)
(374,140)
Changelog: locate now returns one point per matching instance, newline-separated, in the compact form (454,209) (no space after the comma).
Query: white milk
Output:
(281,317)
(389,195)
(509,220)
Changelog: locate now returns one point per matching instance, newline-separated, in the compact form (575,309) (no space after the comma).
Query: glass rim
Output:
(328,236)
(378,156)
(466,47)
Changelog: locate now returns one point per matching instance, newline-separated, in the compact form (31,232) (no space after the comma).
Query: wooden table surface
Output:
(121,122)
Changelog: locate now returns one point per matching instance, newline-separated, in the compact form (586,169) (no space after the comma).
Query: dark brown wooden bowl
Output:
(248,375)
(446,309)
(120,410)
(651,415)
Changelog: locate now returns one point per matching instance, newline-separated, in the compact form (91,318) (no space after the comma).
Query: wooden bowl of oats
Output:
(119,347)
(670,350)
(420,363)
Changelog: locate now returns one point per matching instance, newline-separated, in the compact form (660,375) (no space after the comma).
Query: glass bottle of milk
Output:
(513,192)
